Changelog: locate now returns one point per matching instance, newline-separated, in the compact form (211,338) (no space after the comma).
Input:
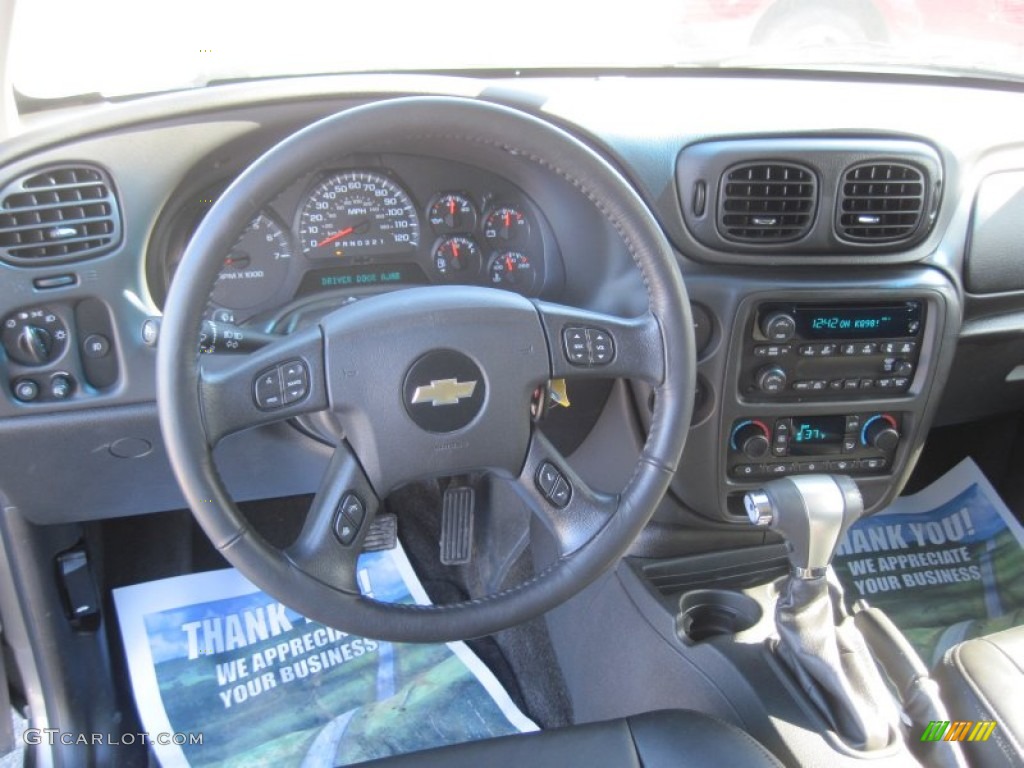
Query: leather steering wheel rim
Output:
(191,402)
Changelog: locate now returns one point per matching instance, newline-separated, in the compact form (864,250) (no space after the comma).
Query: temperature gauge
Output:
(512,270)
(505,226)
(457,257)
(452,212)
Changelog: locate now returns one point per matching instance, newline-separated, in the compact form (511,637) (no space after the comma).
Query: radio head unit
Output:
(811,350)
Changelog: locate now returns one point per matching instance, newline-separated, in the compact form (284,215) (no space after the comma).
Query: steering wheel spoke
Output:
(596,344)
(570,509)
(281,380)
(328,545)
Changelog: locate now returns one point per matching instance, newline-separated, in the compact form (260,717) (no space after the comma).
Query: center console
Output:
(811,372)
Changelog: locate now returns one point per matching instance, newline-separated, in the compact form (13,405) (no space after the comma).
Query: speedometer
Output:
(355,215)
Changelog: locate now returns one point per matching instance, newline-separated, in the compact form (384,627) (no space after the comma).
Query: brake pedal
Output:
(457,511)
(382,534)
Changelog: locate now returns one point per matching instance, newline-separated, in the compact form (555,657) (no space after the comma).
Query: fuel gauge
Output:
(512,270)
(457,257)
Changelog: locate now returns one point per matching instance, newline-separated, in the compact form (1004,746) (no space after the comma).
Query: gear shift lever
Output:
(818,641)
(811,513)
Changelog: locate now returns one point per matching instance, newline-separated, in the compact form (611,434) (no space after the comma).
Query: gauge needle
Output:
(336,236)
(507,217)
(455,252)
(509,265)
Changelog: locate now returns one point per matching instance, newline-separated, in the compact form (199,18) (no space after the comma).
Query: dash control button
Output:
(26,390)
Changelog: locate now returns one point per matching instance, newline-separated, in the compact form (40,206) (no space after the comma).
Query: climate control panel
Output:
(855,443)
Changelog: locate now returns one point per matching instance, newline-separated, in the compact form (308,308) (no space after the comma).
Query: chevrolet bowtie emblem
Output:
(443,392)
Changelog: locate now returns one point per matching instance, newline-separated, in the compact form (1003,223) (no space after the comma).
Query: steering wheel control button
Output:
(26,390)
(443,391)
(348,518)
(547,477)
(294,381)
(575,340)
(588,346)
(552,485)
(267,390)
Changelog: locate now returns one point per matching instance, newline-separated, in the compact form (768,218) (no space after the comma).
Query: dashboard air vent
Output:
(63,213)
(767,202)
(881,202)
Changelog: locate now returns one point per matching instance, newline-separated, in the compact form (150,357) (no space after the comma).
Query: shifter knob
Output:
(811,512)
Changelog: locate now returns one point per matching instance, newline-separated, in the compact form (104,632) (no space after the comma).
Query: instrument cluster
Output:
(402,221)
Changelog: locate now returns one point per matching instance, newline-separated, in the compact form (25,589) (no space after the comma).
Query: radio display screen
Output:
(817,434)
(859,322)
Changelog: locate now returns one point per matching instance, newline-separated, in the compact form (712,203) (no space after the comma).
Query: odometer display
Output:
(354,215)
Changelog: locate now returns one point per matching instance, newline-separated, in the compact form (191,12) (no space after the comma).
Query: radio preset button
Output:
(801,386)
(851,384)
(901,383)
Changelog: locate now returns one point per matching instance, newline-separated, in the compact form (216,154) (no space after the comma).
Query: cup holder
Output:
(707,613)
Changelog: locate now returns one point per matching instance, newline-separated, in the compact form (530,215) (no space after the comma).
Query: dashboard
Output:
(838,254)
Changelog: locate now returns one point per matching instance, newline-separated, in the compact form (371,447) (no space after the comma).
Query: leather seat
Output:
(983,679)
(676,738)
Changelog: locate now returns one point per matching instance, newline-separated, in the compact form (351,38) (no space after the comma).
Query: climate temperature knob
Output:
(751,438)
(881,432)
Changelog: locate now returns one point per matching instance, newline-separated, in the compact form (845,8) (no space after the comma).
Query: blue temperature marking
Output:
(864,429)
(737,428)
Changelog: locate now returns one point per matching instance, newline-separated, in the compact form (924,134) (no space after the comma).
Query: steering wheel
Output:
(426,381)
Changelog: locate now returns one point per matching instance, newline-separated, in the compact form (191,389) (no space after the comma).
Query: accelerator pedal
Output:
(458,509)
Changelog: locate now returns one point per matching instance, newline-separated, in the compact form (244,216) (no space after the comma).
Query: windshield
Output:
(115,47)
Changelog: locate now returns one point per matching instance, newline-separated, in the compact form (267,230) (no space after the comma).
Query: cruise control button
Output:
(348,517)
(561,493)
(268,390)
(295,380)
(546,478)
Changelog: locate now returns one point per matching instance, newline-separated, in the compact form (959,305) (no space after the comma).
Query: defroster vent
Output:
(63,213)
(881,202)
(767,202)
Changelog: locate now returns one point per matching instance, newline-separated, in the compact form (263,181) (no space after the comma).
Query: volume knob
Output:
(778,326)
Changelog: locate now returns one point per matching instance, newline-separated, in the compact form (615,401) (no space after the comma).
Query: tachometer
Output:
(256,266)
(358,214)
